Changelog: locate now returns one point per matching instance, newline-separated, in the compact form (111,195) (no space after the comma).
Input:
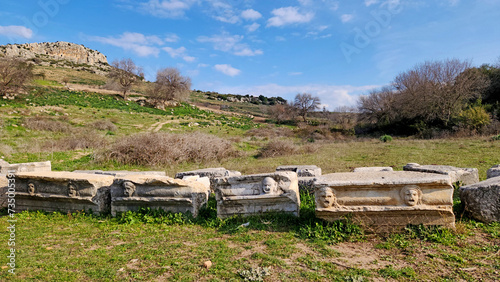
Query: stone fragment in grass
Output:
(132,192)
(494,171)
(466,176)
(386,201)
(482,200)
(257,194)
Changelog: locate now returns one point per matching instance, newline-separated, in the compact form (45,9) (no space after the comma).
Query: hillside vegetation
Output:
(68,117)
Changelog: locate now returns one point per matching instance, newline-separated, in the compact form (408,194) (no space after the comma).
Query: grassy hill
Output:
(77,129)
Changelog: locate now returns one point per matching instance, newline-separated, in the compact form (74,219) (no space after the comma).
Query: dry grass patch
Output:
(83,139)
(276,148)
(153,149)
(46,124)
(104,124)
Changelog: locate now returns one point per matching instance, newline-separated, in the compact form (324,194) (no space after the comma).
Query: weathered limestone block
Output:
(494,171)
(120,173)
(257,194)
(307,175)
(301,170)
(386,201)
(211,173)
(203,180)
(132,192)
(5,167)
(3,190)
(62,191)
(373,169)
(465,175)
(482,200)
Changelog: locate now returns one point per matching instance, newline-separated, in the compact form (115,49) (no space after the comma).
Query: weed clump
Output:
(385,138)
(104,124)
(276,148)
(154,149)
(496,138)
(255,274)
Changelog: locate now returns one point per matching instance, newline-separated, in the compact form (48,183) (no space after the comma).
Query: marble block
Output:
(257,194)
(386,201)
(62,191)
(132,192)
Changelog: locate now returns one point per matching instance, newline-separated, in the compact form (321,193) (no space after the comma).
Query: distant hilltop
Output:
(67,51)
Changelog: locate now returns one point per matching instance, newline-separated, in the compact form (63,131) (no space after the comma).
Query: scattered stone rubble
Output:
(211,173)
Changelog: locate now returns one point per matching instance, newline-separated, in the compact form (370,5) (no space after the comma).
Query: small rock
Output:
(207,264)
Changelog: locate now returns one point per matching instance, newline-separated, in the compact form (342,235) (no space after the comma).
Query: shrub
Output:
(276,148)
(270,132)
(153,149)
(46,124)
(104,124)
(386,138)
(496,138)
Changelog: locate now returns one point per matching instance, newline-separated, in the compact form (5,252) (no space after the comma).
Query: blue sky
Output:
(333,49)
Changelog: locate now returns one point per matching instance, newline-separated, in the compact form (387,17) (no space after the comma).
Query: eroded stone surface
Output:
(121,173)
(373,169)
(466,176)
(132,192)
(494,171)
(3,190)
(5,167)
(211,173)
(301,170)
(257,194)
(62,191)
(482,200)
(386,201)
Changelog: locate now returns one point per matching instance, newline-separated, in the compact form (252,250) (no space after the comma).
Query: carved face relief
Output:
(411,195)
(31,188)
(327,198)
(269,186)
(72,190)
(128,188)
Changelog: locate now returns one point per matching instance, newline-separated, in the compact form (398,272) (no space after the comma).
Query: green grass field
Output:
(157,246)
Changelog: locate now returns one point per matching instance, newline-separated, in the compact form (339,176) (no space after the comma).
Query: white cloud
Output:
(288,15)
(368,3)
(453,2)
(138,43)
(172,38)
(253,27)
(280,38)
(251,14)
(203,65)
(231,44)
(295,73)
(331,96)
(166,8)
(16,31)
(179,52)
(227,69)
(346,18)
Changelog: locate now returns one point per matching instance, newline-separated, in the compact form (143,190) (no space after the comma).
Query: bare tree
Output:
(280,113)
(14,74)
(430,92)
(170,85)
(305,103)
(437,90)
(126,74)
